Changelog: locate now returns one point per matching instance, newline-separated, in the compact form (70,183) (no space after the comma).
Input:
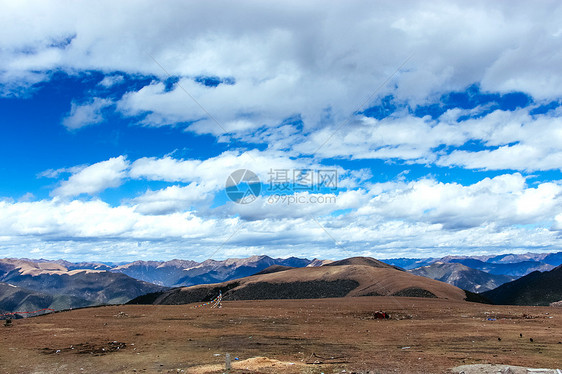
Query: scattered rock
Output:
(88,348)
(498,369)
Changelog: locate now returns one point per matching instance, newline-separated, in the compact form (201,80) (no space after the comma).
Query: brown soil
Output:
(285,336)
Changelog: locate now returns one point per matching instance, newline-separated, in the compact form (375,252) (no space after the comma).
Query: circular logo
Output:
(243,186)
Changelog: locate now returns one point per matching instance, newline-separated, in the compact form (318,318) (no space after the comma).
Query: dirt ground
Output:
(285,336)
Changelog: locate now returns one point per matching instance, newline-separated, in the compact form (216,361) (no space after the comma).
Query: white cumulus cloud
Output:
(82,115)
(94,178)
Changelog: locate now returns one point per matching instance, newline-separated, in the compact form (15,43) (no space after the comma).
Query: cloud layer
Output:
(467,91)
(288,58)
(387,219)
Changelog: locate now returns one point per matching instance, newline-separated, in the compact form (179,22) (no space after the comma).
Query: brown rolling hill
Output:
(346,278)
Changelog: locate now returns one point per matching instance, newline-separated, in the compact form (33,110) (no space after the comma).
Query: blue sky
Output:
(121,124)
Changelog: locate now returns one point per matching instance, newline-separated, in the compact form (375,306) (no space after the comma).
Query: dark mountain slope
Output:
(98,287)
(537,288)
(18,299)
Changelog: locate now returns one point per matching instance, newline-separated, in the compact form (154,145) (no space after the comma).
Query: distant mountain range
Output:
(357,276)
(187,273)
(515,269)
(536,288)
(515,265)
(553,259)
(176,272)
(479,273)
(462,276)
(35,285)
